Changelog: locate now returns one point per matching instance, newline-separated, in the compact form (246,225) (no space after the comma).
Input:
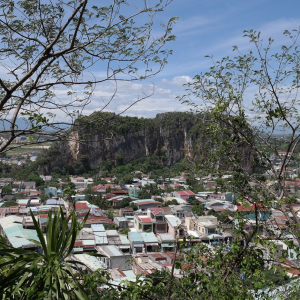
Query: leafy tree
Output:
(9,203)
(170,202)
(133,206)
(145,192)
(44,197)
(212,212)
(192,200)
(6,190)
(252,101)
(110,213)
(128,178)
(54,45)
(198,210)
(125,202)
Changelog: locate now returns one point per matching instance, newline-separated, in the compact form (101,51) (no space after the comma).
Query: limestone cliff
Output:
(171,136)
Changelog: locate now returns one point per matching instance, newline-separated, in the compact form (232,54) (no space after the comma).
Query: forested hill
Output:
(103,137)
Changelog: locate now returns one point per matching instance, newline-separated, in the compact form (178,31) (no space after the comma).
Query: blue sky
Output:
(204,28)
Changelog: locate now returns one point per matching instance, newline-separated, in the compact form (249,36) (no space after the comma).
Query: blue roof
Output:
(97,227)
(135,237)
(51,201)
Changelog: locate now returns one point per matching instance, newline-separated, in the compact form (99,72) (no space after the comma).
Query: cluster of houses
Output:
(141,241)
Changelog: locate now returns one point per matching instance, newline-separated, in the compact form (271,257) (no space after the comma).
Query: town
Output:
(137,236)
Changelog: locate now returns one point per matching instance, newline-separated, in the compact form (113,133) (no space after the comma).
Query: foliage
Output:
(6,190)
(125,231)
(45,274)
(44,197)
(110,213)
(252,102)
(198,210)
(9,203)
(170,202)
(128,178)
(125,202)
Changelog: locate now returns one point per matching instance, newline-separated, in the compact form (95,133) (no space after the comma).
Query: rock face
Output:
(172,136)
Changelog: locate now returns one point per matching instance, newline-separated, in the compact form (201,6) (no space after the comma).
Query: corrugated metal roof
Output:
(174,221)
(112,250)
(51,201)
(101,240)
(22,201)
(90,261)
(97,227)
(121,219)
(11,219)
(18,236)
(149,237)
(165,237)
(135,237)
(124,239)
(112,233)
(88,243)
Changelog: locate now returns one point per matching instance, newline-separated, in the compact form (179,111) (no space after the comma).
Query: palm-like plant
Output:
(49,273)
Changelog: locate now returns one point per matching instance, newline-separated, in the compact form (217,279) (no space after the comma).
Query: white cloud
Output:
(178,80)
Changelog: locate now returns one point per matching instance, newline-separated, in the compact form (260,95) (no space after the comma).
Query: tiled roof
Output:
(79,206)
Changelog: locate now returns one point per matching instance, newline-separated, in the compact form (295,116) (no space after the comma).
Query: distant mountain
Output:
(170,136)
(22,123)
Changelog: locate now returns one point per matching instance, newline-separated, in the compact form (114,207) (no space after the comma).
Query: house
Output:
(183,194)
(136,242)
(174,226)
(24,185)
(216,205)
(122,222)
(143,265)
(18,237)
(166,241)
(147,203)
(150,241)
(28,222)
(143,223)
(34,202)
(180,211)
(51,190)
(124,212)
(99,189)
(206,225)
(9,220)
(210,184)
(133,192)
(99,234)
(158,217)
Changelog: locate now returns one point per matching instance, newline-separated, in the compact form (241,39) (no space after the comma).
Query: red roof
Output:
(79,206)
(145,220)
(185,193)
(77,244)
(98,187)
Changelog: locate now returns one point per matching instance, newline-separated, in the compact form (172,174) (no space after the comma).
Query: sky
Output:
(204,28)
